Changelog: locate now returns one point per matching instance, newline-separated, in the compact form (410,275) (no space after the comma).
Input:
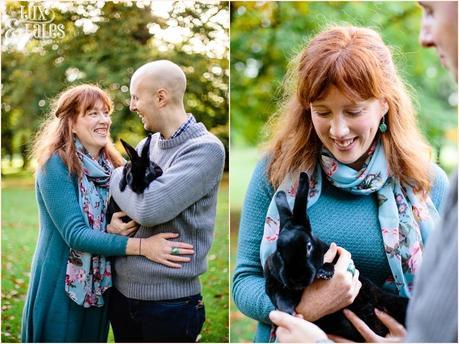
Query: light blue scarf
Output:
(88,276)
(406,219)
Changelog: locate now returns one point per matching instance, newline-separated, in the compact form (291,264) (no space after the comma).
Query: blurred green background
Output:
(264,38)
(103,43)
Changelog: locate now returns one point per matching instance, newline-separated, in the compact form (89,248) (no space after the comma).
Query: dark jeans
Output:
(178,320)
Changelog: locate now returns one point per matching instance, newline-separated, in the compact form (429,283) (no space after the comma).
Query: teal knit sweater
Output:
(349,220)
(49,314)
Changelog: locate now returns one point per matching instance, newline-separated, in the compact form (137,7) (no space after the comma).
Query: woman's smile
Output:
(101,131)
(345,145)
(93,128)
(347,127)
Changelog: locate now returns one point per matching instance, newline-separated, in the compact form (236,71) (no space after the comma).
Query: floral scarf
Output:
(88,276)
(405,218)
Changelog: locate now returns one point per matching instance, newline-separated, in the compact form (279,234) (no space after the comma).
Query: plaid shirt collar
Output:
(182,128)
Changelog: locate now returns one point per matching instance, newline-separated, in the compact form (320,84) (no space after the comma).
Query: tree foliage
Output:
(266,35)
(104,43)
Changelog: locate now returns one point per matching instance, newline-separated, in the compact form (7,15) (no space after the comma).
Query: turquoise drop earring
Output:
(383,125)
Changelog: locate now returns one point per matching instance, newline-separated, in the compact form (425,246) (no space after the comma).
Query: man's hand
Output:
(396,331)
(295,330)
(117,226)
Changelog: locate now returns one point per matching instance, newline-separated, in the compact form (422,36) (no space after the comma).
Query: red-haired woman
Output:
(348,120)
(70,272)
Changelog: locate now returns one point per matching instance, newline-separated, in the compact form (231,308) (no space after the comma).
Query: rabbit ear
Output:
(146,149)
(283,208)
(126,172)
(130,150)
(301,199)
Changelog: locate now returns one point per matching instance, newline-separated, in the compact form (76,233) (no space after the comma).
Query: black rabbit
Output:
(137,173)
(298,260)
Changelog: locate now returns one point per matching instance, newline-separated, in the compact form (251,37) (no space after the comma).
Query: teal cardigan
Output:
(49,314)
(349,220)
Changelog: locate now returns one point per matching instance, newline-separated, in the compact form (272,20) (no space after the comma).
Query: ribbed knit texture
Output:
(432,312)
(49,314)
(182,200)
(349,220)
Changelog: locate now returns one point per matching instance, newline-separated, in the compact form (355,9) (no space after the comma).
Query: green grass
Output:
(215,281)
(242,164)
(19,233)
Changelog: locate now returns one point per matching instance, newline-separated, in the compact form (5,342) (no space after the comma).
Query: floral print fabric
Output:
(406,217)
(87,275)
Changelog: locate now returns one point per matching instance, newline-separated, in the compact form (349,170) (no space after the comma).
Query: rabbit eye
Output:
(129,178)
(309,247)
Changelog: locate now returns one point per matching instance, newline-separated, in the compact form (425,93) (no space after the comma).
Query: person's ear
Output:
(162,97)
(385,106)
(72,126)
(72,121)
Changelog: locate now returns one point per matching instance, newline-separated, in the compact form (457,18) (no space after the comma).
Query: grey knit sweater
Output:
(432,312)
(182,200)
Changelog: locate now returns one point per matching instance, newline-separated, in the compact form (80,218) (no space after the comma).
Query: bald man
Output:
(160,301)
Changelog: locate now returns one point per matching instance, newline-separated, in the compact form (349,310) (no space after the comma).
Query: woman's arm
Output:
(57,189)
(59,195)
(248,282)
(440,187)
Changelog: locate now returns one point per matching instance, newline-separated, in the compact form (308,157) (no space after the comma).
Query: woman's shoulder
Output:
(438,177)
(440,185)
(438,173)
(260,171)
(54,163)
(54,167)
(262,165)
(259,186)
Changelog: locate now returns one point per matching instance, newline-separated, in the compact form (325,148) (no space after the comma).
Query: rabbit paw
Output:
(326,271)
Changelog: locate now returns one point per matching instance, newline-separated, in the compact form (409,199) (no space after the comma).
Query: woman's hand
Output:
(296,330)
(324,297)
(396,330)
(160,250)
(117,226)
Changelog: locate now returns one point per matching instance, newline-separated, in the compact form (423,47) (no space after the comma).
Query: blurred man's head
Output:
(439,30)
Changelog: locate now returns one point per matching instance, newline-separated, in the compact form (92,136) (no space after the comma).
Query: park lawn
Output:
(242,164)
(19,234)
(215,282)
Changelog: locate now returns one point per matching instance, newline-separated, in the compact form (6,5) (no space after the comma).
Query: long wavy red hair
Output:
(55,134)
(360,65)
